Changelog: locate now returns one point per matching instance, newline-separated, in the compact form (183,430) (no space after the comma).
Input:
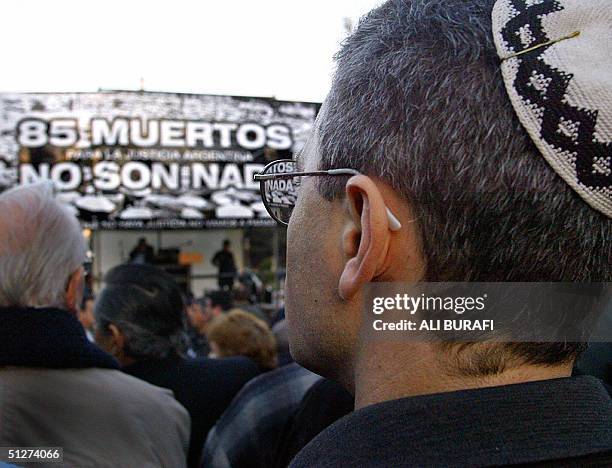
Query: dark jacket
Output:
(247,433)
(148,255)
(224,260)
(560,422)
(205,387)
(325,403)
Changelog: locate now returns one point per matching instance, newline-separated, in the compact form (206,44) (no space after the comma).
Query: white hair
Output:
(41,246)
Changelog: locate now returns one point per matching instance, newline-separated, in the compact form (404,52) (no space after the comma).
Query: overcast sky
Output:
(280,48)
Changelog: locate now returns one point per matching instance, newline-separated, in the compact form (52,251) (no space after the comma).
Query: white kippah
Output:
(557,66)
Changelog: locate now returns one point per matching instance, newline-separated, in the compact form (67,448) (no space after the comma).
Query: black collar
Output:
(46,337)
(514,424)
(147,366)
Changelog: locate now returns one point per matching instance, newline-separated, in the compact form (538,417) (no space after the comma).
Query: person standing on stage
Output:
(224,261)
(143,253)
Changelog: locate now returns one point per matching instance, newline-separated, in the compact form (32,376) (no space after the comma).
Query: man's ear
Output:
(365,239)
(112,340)
(74,290)
(116,342)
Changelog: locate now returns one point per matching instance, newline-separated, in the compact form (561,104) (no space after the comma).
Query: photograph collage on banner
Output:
(143,160)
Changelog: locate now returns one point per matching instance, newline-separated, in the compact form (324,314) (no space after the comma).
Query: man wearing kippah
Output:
(475,144)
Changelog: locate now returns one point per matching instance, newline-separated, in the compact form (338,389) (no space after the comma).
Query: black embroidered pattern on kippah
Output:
(568,129)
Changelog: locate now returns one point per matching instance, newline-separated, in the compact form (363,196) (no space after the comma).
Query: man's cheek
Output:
(297,233)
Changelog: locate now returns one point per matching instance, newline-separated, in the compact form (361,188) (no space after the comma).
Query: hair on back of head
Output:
(41,246)
(240,333)
(146,304)
(221,298)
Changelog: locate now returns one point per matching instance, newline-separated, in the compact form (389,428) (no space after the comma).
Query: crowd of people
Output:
(425,165)
(171,366)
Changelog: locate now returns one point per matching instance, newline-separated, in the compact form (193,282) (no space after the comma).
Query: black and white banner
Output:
(140,160)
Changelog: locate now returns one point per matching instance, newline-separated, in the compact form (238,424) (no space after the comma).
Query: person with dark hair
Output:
(139,316)
(460,142)
(224,261)
(220,301)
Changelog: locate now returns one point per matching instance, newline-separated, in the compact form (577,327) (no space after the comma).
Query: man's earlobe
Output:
(366,237)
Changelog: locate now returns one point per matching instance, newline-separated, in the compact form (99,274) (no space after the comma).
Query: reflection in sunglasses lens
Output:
(281,194)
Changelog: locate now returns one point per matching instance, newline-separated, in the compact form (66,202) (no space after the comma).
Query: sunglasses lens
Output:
(280,194)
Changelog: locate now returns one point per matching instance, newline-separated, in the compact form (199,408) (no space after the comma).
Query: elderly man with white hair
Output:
(56,388)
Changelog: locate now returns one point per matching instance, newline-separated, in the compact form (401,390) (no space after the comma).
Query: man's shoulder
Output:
(142,397)
(224,367)
(517,424)
(286,376)
(224,376)
(267,397)
(106,403)
(259,411)
(337,444)
(93,393)
(123,383)
(103,383)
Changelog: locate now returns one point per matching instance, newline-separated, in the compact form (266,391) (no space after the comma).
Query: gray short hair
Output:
(41,245)
(418,100)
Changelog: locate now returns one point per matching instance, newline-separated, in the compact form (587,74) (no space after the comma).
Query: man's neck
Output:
(378,379)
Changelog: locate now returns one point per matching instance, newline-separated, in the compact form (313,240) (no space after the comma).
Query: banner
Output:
(142,160)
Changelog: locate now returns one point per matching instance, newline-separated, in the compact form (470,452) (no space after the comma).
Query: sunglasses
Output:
(280,181)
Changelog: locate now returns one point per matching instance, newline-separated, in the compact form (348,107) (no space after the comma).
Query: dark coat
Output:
(205,387)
